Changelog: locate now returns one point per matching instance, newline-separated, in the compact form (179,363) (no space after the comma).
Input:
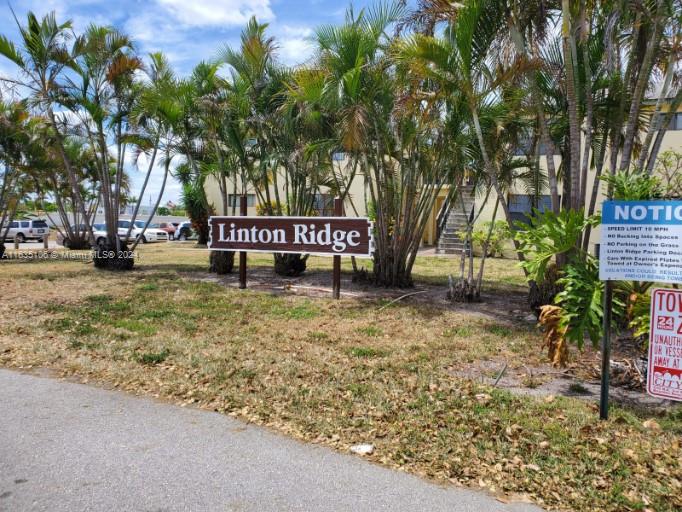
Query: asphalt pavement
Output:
(72,447)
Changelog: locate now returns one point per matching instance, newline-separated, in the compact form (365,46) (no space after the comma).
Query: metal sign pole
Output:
(336,279)
(242,254)
(606,352)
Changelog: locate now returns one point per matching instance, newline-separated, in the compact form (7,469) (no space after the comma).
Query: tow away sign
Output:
(641,241)
(664,377)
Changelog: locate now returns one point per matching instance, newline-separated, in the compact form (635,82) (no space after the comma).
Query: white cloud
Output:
(151,31)
(137,170)
(151,27)
(217,12)
(295,46)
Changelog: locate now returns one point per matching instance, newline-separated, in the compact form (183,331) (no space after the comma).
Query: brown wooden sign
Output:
(325,236)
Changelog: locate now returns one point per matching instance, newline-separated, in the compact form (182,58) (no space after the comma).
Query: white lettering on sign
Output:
(641,241)
(304,234)
(664,376)
(254,234)
(324,236)
(652,211)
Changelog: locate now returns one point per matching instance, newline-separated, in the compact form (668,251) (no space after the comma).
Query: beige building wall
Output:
(354,204)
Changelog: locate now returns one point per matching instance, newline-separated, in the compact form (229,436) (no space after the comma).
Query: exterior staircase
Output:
(454,220)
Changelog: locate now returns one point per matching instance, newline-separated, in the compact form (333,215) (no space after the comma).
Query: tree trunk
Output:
(493,180)
(640,88)
(573,122)
(656,118)
(221,262)
(589,104)
(290,265)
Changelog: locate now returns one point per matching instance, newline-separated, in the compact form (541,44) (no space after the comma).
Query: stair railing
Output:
(442,218)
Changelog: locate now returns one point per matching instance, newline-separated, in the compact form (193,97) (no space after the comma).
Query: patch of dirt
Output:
(581,379)
(318,284)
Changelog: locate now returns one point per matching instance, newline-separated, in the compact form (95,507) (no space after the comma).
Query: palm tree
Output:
(460,61)
(13,147)
(269,130)
(393,128)
(100,96)
(42,59)
(155,118)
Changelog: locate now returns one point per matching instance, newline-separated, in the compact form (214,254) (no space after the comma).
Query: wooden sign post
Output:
(323,236)
(336,276)
(242,254)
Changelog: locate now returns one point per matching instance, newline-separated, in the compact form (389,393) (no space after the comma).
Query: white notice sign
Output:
(664,377)
(641,241)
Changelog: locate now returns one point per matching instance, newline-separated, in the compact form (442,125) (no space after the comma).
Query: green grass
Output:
(152,358)
(365,352)
(502,331)
(371,331)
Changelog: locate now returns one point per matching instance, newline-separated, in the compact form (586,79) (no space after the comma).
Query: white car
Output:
(99,231)
(22,230)
(150,234)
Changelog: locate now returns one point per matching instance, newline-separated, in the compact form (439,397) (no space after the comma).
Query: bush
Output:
(581,300)
(500,234)
(263,210)
(635,186)
(550,236)
(639,316)
(290,265)
(543,293)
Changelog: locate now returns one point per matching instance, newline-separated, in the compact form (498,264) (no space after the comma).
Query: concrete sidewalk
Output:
(69,447)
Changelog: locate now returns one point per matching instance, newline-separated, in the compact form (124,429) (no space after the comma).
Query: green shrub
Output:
(634,186)
(499,235)
(551,235)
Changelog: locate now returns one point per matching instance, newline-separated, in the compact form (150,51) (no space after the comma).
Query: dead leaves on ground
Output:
(410,408)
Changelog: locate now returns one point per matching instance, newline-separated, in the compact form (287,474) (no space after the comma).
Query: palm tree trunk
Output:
(640,87)
(492,175)
(73,182)
(479,279)
(589,103)
(657,118)
(156,205)
(573,122)
(138,203)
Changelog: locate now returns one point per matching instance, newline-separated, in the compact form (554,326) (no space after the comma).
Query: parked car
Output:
(184,231)
(99,231)
(150,234)
(169,227)
(23,230)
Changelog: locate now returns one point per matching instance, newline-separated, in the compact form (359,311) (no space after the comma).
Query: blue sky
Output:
(187,31)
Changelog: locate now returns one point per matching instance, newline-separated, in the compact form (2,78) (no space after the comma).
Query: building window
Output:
(676,122)
(233,200)
(521,205)
(323,205)
(525,147)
